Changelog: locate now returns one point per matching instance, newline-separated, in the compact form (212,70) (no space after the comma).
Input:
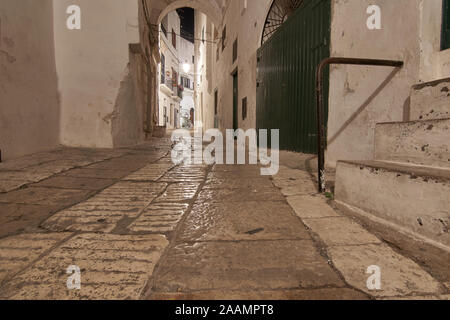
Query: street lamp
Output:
(186,67)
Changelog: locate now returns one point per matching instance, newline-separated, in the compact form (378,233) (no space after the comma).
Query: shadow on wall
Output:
(127,117)
(363,106)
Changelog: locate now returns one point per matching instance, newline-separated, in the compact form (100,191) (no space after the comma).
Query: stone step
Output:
(430,100)
(419,142)
(415,198)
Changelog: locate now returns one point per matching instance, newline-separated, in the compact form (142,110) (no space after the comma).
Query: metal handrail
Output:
(319,101)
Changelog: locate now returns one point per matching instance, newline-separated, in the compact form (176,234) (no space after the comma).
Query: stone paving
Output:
(139,227)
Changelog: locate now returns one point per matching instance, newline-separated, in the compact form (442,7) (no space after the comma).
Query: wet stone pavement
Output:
(139,227)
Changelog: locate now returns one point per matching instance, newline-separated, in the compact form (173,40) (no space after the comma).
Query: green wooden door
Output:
(287,64)
(446,25)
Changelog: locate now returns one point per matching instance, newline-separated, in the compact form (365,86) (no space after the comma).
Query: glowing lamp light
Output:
(186,67)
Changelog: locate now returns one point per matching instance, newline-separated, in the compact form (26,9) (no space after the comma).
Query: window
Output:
(445,44)
(224,37)
(216,102)
(203,35)
(193,59)
(235,50)
(244,108)
(174,39)
(163,69)
(217,53)
(186,82)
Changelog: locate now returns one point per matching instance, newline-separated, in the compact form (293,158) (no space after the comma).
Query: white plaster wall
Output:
(360,97)
(203,96)
(172,61)
(186,53)
(91,65)
(250,31)
(29,107)
(244,21)
(434,63)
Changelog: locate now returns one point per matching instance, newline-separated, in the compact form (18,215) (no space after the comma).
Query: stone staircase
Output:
(408,183)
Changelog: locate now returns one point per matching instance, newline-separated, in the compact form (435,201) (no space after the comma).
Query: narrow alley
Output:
(242,150)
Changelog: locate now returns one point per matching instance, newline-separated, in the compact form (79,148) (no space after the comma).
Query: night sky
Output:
(187,23)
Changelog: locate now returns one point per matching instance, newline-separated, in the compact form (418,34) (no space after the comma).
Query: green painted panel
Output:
(446,25)
(287,65)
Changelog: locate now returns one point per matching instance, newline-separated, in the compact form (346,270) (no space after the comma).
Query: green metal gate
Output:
(446,25)
(287,64)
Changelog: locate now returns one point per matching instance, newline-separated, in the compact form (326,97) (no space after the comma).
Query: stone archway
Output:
(209,7)
(151,14)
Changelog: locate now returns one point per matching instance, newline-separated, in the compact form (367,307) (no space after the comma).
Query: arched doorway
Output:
(293,46)
(279,12)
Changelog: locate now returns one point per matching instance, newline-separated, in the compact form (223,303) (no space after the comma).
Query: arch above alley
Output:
(160,8)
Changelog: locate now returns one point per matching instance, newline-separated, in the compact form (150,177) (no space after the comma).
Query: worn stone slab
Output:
(236,174)
(159,218)
(240,195)
(112,208)
(9,185)
(413,197)
(179,192)
(27,161)
(76,183)
(294,294)
(400,276)
(165,160)
(211,221)
(190,173)
(112,267)
(96,173)
(246,265)
(294,182)
(19,251)
(311,206)
(45,196)
(117,164)
(29,175)
(48,169)
(430,100)
(151,172)
(252,183)
(15,218)
(418,142)
(239,168)
(413,298)
(290,173)
(335,231)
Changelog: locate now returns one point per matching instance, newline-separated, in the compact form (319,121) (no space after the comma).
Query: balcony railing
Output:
(176,90)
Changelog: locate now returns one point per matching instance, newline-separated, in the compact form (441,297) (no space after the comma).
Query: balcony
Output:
(173,90)
(178,93)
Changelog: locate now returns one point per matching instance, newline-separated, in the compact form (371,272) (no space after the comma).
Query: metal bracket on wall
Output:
(319,103)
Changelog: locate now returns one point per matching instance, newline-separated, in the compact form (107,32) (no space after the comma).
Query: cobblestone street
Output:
(140,227)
